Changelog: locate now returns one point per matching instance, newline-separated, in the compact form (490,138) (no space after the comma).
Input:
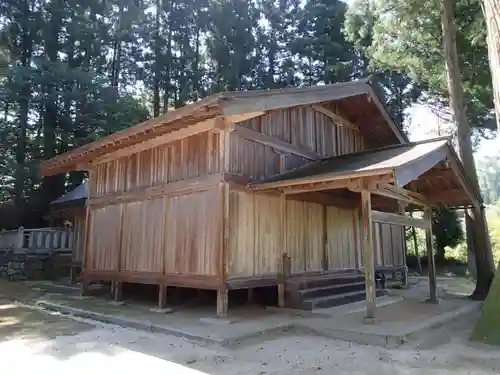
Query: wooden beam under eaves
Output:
(337,119)
(243,117)
(175,135)
(275,143)
(404,195)
(320,186)
(398,219)
(447,196)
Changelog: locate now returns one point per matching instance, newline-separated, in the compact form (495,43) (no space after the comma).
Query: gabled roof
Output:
(356,99)
(405,163)
(81,192)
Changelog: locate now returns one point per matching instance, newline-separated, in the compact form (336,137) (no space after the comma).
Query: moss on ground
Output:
(487,329)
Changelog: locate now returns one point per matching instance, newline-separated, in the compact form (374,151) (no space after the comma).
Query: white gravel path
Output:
(107,349)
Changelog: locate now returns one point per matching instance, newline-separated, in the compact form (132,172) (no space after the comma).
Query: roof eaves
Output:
(322,177)
(132,131)
(397,129)
(463,173)
(235,103)
(283,176)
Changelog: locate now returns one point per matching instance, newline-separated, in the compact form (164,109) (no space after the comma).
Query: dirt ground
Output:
(44,342)
(37,340)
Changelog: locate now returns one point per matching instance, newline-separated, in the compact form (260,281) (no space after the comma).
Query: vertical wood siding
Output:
(178,234)
(388,243)
(186,158)
(254,235)
(193,230)
(267,234)
(104,240)
(301,126)
(143,234)
(341,238)
(252,159)
(78,236)
(305,235)
(241,234)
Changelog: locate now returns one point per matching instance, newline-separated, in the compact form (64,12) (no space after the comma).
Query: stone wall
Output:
(32,266)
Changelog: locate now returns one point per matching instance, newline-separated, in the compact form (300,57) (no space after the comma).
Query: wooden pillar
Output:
(84,284)
(282,252)
(222,292)
(368,256)
(431,266)
(84,287)
(324,262)
(117,290)
(162,296)
(222,302)
(402,211)
(251,296)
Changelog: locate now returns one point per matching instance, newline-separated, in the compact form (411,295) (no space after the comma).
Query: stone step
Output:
(328,290)
(335,300)
(323,280)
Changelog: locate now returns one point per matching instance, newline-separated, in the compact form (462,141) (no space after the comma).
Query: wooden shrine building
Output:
(260,189)
(71,207)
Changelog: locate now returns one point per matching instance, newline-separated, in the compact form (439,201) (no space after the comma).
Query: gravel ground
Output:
(59,345)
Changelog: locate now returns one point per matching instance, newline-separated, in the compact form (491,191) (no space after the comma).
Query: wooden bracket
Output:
(274,143)
(337,119)
(368,183)
(390,191)
(398,219)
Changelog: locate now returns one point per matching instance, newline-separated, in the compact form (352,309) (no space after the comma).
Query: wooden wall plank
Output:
(104,239)
(193,233)
(301,127)
(78,236)
(267,234)
(296,235)
(241,234)
(143,236)
(386,244)
(313,225)
(183,159)
(255,229)
(389,244)
(341,238)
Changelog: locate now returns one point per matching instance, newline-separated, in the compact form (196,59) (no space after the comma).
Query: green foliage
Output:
(493,217)
(55,90)
(407,40)
(487,328)
(448,231)
(73,71)
(449,237)
(399,88)
(488,170)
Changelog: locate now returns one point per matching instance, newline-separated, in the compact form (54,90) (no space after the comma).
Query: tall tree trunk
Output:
(480,238)
(24,99)
(168,62)
(157,63)
(52,186)
(117,52)
(196,68)
(491,10)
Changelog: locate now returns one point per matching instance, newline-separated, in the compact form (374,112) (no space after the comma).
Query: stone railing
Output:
(41,253)
(38,240)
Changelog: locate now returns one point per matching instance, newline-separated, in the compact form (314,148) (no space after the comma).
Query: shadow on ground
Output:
(59,344)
